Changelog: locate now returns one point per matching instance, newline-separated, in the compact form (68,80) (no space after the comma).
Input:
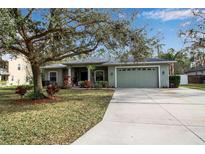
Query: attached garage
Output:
(137,77)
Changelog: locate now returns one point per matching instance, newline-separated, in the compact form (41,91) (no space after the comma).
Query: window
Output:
(19,67)
(12,78)
(99,75)
(3,78)
(53,76)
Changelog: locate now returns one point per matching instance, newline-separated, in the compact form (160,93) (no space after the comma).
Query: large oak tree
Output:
(45,35)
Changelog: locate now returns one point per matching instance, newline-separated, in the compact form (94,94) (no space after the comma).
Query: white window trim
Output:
(50,76)
(99,71)
(158,66)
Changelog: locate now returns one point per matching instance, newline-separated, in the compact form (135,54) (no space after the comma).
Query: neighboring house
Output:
(4,73)
(150,73)
(198,70)
(17,71)
(196,74)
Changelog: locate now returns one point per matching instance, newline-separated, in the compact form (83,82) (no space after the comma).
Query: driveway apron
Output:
(151,116)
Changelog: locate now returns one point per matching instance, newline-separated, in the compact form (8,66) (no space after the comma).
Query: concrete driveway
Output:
(151,116)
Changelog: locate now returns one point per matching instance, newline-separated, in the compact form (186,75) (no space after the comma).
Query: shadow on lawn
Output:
(8,100)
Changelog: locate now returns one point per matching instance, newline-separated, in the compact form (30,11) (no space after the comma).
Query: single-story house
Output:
(196,74)
(198,70)
(150,73)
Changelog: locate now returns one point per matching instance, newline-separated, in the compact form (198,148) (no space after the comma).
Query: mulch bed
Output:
(38,101)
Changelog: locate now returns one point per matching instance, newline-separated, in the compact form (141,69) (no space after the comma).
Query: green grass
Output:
(59,122)
(195,86)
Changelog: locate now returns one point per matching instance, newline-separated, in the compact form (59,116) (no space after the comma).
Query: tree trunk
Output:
(37,81)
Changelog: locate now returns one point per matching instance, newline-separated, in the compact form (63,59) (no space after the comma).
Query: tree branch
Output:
(29,13)
(74,53)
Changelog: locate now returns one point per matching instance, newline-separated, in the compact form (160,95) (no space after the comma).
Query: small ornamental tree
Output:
(52,90)
(46,35)
(21,90)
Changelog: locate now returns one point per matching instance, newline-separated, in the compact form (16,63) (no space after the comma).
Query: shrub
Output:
(67,83)
(97,85)
(52,90)
(101,84)
(104,84)
(174,81)
(21,90)
(87,84)
(81,83)
(32,95)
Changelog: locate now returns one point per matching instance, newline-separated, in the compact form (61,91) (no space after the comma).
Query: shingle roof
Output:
(92,60)
(54,66)
(132,60)
(106,62)
(194,69)
(113,61)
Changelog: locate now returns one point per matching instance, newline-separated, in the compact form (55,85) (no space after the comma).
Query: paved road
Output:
(151,116)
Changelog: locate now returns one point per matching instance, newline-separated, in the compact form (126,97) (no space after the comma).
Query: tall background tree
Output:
(46,35)
(182,58)
(141,46)
(194,34)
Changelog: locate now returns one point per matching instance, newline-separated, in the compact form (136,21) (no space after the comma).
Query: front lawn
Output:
(195,86)
(60,122)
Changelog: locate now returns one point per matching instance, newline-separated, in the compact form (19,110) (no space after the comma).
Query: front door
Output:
(83,75)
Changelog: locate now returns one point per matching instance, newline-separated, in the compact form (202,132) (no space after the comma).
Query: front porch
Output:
(79,74)
(73,76)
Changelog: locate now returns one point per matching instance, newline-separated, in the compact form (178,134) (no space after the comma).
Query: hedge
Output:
(174,81)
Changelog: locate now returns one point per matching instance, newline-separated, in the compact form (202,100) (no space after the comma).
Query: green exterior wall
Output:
(164,78)
(110,74)
(59,78)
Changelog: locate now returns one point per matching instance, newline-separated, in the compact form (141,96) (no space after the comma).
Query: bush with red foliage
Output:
(52,90)
(21,90)
(67,83)
(87,84)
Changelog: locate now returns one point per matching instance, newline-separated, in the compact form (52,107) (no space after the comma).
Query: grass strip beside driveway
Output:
(195,86)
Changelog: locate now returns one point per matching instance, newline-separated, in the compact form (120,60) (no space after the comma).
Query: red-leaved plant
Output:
(21,90)
(52,90)
(87,84)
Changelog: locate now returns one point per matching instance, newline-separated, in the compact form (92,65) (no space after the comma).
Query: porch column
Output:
(89,74)
(69,71)
(69,81)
